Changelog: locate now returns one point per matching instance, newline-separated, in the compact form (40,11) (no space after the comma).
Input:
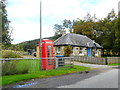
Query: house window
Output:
(77,48)
(81,50)
(96,52)
(58,49)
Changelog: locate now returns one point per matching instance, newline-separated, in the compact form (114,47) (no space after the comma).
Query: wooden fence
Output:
(95,60)
(112,60)
(92,60)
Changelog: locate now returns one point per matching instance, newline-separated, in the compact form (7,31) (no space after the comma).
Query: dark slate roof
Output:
(76,40)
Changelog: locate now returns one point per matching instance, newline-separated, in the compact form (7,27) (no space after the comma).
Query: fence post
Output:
(70,61)
(73,60)
(56,63)
(106,61)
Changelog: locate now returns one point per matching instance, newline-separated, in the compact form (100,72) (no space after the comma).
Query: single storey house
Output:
(81,45)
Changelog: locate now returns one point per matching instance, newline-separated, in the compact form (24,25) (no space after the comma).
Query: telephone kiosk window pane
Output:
(49,52)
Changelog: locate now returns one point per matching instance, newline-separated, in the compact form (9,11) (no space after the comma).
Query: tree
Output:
(88,18)
(107,30)
(86,26)
(6,35)
(59,29)
(117,36)
(68,25)
(62,29)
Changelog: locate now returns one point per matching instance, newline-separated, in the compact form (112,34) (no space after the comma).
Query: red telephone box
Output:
(47,53)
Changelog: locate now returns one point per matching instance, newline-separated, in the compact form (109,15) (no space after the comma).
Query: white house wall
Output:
(76,51)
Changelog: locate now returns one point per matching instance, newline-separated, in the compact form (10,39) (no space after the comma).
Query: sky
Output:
(25,15)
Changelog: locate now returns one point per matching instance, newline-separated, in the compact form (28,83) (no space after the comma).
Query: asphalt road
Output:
(107,79)
(103,77)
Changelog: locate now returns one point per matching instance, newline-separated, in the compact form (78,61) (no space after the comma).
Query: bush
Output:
(10,54)
(67,50)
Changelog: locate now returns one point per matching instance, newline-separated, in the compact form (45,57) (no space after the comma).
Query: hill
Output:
(31,44)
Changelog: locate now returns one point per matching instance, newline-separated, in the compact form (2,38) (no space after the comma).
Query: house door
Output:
(89,51)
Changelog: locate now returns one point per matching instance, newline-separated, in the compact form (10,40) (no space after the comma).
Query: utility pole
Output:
(40,35)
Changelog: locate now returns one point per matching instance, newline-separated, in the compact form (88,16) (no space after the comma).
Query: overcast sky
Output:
(25,15)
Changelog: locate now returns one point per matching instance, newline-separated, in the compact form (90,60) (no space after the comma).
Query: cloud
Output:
(25,15)
(104,7)
(23,9)
(61,8)
(72,9)
(25,31)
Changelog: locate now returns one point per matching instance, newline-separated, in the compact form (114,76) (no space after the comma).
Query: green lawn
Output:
(114,64)
(41,74)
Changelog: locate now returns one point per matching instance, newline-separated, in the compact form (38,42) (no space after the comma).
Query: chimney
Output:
(63,32)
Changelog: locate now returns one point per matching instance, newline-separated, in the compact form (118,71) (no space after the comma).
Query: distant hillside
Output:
(32,43)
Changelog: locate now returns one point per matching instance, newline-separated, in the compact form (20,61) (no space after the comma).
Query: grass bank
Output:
(41,74)
(20,67)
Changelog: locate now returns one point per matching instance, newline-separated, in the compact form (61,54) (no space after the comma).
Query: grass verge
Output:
(114,64)
(20,67)
(42,74)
